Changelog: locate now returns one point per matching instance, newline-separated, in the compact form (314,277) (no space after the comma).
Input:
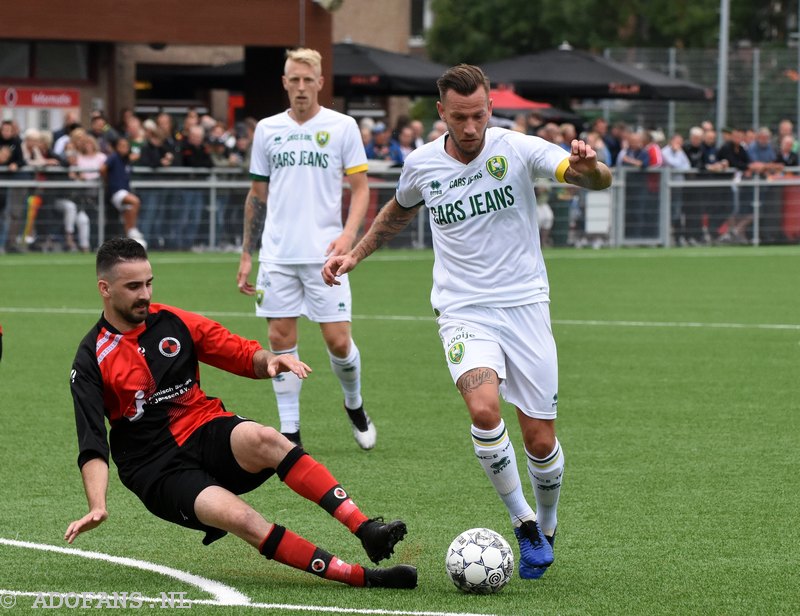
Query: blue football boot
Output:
(535,550)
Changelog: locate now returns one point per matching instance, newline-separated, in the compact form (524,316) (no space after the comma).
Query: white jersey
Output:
(304,164)
(483,218)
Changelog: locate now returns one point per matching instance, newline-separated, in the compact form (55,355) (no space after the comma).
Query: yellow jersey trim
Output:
(358,169)
(561,170)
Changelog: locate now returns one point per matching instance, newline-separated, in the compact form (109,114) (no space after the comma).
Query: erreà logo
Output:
(436,188)
(259,296)
(500,465)
(322,137)
(497,166)
(456,353)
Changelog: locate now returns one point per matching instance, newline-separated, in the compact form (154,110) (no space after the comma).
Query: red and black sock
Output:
(313,481)
(291,549)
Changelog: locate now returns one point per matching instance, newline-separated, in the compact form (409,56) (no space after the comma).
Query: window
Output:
(14,60)
(68,61)
(421,18)
(44,61)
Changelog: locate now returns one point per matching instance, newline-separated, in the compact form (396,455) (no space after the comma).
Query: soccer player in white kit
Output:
(490,289)
(298,159)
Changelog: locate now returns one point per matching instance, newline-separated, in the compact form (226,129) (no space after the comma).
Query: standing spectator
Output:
(786,129)
(761,152)
(13,199)
(136,135)
(439,128)
(155,212)
(733,152)
(406,141)
(490,291)
(419,132)
(117,172)
(298,160)
(674,157)
(195,152)
(171,136)
(634,156)
(764,164)
(103,133)
(787,156)
(70,118)
(383,147)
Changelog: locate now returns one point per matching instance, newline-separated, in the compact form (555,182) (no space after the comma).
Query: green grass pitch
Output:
(679,417)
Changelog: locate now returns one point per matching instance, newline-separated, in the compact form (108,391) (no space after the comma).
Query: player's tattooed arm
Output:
(255,213)
(472,380)
(390,221)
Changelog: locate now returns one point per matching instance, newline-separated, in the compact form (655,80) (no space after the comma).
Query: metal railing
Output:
(202,209)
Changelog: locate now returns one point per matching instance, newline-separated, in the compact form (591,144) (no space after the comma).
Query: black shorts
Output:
(204,460)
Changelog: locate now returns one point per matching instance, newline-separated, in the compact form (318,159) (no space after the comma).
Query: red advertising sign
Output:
(37,97)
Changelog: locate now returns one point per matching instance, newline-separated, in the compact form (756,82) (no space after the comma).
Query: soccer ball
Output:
(479,561)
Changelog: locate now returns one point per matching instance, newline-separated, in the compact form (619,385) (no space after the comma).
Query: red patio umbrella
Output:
(503,98)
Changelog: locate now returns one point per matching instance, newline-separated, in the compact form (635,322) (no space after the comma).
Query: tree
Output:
(477,32)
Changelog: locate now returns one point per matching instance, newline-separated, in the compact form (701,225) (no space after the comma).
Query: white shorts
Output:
(516,342)
(298,290)
(116,200)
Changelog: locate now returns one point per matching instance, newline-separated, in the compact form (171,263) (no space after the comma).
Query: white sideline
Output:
(402,317)
(223,595)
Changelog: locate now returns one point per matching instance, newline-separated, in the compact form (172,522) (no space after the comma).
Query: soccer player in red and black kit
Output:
(180,451)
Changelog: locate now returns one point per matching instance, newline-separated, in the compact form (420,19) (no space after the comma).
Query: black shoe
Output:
(294,437)
(399,576)
(379,539)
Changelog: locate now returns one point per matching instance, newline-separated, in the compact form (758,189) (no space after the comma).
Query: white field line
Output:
(223,595)
(427,255)
(431,319)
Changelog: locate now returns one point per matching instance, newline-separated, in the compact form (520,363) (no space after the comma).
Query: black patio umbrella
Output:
(559,73)
(364,70)
(358,70)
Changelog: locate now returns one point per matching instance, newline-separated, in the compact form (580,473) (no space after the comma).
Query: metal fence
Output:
(202,209)
(762,85)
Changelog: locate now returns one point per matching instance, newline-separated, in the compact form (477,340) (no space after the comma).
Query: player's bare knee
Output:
(539,443)
(339,346)
(485,416)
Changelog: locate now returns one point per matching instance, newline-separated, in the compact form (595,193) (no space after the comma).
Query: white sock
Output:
(545,475)
(287,388)
(495,452)
(348,371)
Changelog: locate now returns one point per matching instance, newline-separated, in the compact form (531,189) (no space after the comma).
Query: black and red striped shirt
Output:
(146,383)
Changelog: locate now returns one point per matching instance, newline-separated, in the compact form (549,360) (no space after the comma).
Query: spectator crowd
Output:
(173,219)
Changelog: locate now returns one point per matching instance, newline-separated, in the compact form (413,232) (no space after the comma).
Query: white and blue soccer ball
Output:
(479,561)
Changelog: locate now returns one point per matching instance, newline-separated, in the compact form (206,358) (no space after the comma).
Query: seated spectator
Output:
(117,173)
(383,147)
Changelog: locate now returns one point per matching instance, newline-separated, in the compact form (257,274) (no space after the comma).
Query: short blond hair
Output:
(311,57)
